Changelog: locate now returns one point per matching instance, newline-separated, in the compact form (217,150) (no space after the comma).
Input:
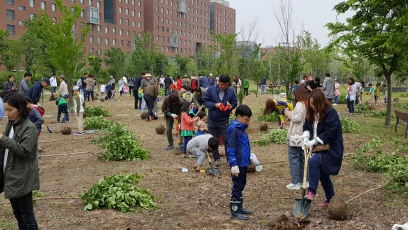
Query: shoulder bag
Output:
(296,140)
(320,148)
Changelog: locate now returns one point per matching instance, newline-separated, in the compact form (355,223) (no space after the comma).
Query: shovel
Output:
(178,132)
(212,170)
(302,206)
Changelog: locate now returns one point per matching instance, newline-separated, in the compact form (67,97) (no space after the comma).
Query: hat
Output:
(76,88)
(148,75)
(111,76)
(46,80)
(210,74)
(66,95)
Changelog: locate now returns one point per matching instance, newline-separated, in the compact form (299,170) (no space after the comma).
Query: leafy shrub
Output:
(342,99)
(273,117)
(96,111)
(362,108)
(349,126)
(381,114)
(392,164)
(118,192)
(161,92)
(278,136)
(96,123)
(401,105)
(120,144)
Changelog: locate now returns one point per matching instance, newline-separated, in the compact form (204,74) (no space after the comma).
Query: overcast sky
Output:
(311,14)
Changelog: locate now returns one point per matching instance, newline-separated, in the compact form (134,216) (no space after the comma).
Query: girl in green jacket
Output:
(19,168)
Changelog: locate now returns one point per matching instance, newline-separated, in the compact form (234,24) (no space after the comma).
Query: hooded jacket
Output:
(328,87)
(239,148)
(21,172)
(35,92)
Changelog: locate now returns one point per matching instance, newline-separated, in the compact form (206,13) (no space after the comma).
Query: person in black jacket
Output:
(168,81)
(35,91)
(137,85)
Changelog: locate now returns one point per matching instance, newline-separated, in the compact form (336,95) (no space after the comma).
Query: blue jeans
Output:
(143,105)
(84,93)
(239,183)
(296,159)
(186,140)
(53,89)
(315,175)
(23,211)
(63,108)
(350,106)
(336,99)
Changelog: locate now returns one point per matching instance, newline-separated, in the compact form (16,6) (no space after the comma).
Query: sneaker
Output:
(217,162)
(293,186)
(309,196)
(39,149)
(170,147)
(58,122)
(323,205)
(184,156)
(79,133)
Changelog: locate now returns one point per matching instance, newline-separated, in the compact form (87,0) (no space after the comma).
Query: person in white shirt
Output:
(162,82)
(102,91)
(53,83)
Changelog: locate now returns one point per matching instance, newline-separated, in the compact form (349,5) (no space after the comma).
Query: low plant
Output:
(278,136)
(96,123)
(118,192)
(401,105)
(273,117)
(349,126)
(342,99)
(120,144)
(362,108)
(161,91)
(96,111)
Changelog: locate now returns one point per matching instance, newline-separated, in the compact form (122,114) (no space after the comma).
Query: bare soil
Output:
(193,200)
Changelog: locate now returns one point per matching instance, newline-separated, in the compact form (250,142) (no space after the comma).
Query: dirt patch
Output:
(191,200)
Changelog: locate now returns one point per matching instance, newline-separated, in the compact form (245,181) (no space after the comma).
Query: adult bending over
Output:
(171,107)
(279,107)
(19,168)
(295,153)
(323,126)
(220,100)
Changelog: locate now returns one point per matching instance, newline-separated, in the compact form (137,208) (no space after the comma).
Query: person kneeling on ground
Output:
(199,145)
(239,157)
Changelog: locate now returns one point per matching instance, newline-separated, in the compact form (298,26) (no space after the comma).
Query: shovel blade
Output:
(301,207)
(213,171)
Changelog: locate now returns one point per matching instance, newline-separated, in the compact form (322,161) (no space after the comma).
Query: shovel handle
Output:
(307,154)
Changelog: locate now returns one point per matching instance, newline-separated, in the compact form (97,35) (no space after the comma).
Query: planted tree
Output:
(379,31)
(115,59)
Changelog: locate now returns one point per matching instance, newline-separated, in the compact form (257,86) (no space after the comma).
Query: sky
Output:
(311,14)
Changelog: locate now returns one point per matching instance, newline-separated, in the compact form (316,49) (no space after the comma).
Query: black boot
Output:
(235,214)
(241,209)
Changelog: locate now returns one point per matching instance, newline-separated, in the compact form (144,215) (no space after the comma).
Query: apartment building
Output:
(179,26)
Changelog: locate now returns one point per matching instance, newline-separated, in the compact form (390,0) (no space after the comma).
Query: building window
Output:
(22,8)
(31,3)
(43,5)
(113,30)
(157,18)
(11,29)
(10,14)
(21,23)
(127,33)
(82,13)
(82,1)
(157,38)
(157,28)
(91,50)
(53,7)
(156,8)
(120,31)
(107,41)
(133,23)
(98,4)
(126,11)
(99,40)
(139,3)
(113,42)
(139,24)
(10,2)
(133,12)
(120,21)
(121,42)
(106,29)
(91,39)
(133,2)
(139,14)
(32,16)
(120,9)
(98,28)
(126,1)
(90,2)
(127,22)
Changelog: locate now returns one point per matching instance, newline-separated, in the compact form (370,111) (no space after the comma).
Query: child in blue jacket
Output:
(239,154)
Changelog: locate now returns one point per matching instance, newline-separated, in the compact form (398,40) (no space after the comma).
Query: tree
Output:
(225,48)
(160,62)
(12,56)
(379,31)
(35,59)
(115,60)
(191,68)
(144,55)
(181,62)
(95,65)
(63,47)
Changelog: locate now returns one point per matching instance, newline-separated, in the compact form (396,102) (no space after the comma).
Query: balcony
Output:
(92,15)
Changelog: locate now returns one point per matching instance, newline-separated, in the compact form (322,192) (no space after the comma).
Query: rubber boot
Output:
(241,209)
(235,214)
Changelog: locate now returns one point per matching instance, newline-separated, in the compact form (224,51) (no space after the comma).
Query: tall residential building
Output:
(179,26)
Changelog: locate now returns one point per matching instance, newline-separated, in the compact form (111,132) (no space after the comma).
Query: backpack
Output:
(39,108)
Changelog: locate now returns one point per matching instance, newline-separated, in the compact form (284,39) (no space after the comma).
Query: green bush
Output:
(120,144)
(401,105)
(278,136)
(273,117)
(362,108)
(96,111)
(342,99)
(96,123)
(349,126)
(118,192)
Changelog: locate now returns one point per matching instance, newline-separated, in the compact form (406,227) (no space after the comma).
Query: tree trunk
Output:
(389,95)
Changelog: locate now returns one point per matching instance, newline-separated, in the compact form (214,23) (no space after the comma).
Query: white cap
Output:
(210,74)
(76,88)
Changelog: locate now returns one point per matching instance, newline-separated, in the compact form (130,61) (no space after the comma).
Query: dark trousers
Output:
(167,90)
(53,89)
(23,211)
(84,93)
(216,128)
(330,100)
(245,90)
(315,175)
(150,101)
(130,90)
(90,93)
(137,100)
(239,183)
(63,108)
(350,106)
(186,140)
(170,125)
